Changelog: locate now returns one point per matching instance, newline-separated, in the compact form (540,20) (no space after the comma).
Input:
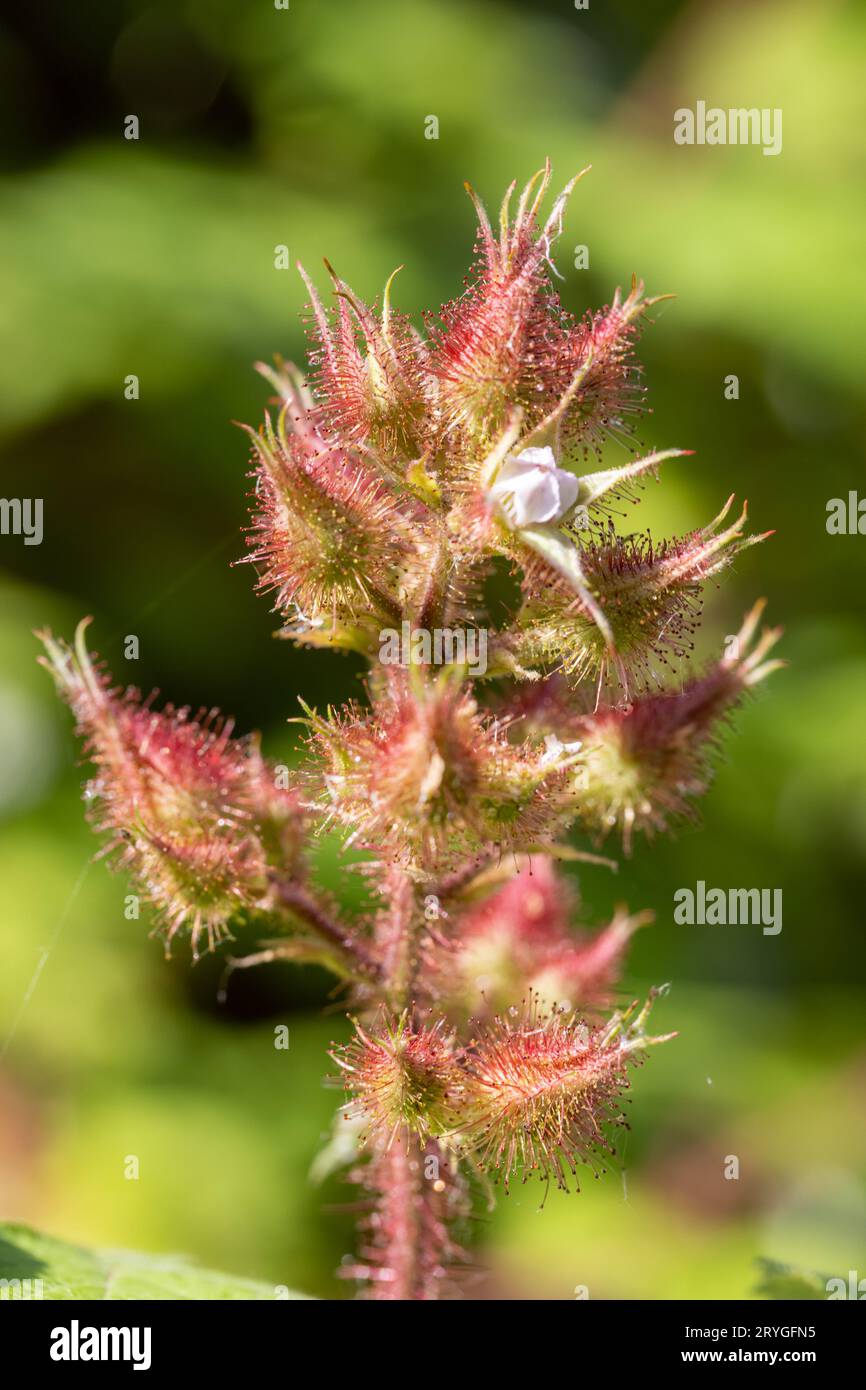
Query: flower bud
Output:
(507,342)
(371,382)
(599,356)
(643,765)
(427,779)
(196,815)
(519,938)
(542,1088)
(329,538)
(492,345)
(402,1078)
(647,595)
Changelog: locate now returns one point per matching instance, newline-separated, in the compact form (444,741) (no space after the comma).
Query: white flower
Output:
(530,490)
(554,750)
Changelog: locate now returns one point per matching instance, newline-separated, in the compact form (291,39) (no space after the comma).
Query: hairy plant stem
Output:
(402,1216)
(396,940)
(300,904)
(406,1225)
(390,608)
(433,599)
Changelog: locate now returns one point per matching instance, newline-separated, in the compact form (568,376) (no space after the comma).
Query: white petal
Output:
(541,458)
(530,490)
(536,497)
(569,487)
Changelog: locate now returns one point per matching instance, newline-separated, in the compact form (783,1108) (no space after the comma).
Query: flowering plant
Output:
(445,480)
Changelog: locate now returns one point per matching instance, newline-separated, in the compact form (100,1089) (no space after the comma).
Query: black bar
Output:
(222,1339)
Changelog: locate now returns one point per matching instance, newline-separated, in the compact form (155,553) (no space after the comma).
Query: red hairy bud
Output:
(507,343)
(193,812)
(519,937)
(371,383)
(492,348)
(644,764)
(402,1078)
(329,538)
(648,594)
(544,1086)
(427,779)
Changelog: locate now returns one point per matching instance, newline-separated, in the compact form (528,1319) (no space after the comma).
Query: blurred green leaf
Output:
(785,1281)
(68,1272)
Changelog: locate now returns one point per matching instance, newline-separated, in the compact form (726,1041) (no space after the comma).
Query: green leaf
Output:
(781,1281)
(71,1272)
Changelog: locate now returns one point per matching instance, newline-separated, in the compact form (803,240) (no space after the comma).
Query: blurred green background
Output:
(305,127)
